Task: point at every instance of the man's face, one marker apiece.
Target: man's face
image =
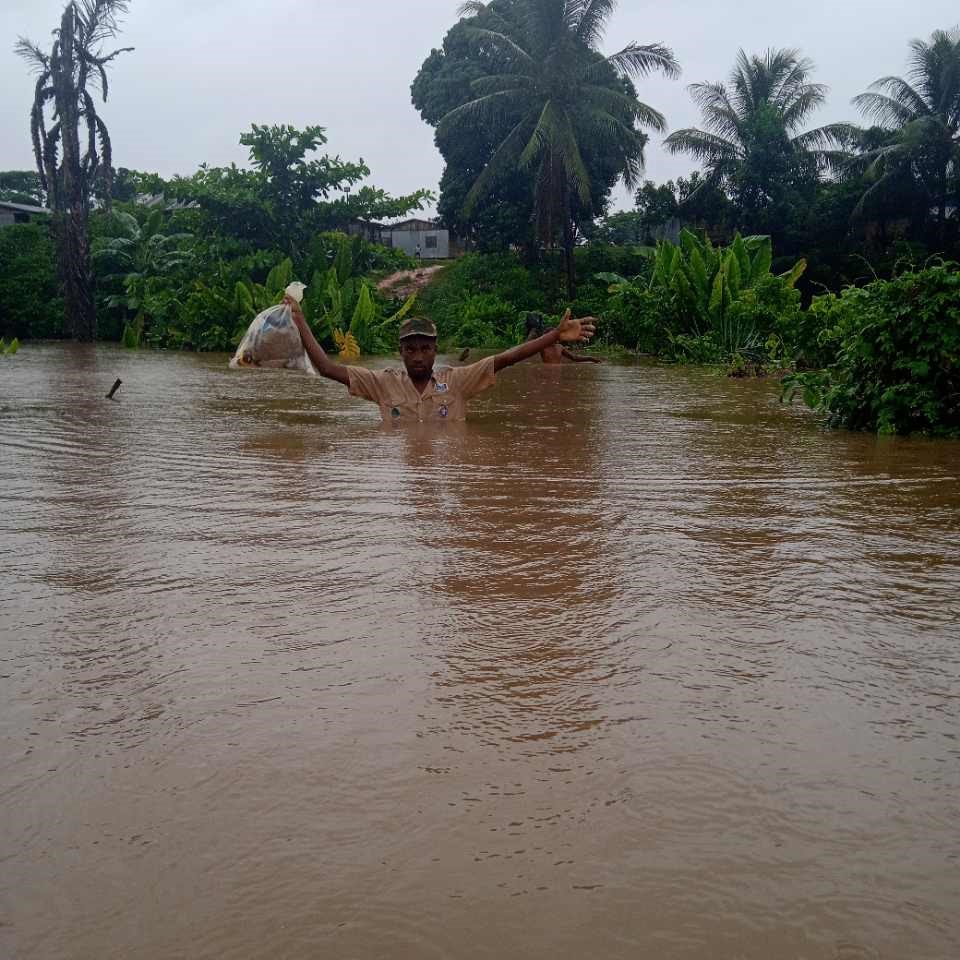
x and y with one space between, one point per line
418 354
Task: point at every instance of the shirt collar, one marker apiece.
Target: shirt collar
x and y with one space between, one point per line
430 388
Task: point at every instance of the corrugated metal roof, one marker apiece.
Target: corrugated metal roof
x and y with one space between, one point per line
22 207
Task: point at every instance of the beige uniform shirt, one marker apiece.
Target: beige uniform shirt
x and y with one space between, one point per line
445 397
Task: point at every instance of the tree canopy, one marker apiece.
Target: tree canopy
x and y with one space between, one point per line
753 142
921 116
289 194
526 108
541 98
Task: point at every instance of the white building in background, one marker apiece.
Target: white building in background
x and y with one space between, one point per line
11 213
435 242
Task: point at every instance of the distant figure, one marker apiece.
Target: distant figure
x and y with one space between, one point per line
418 253
553 353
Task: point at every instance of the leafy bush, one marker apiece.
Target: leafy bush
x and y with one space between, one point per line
636 317
702 303
30 302
329 247
486 320
896 345
500 276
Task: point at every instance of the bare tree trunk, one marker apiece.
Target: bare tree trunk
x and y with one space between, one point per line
73 241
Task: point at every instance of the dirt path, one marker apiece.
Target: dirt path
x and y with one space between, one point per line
405 282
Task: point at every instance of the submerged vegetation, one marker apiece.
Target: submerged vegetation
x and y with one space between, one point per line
826 255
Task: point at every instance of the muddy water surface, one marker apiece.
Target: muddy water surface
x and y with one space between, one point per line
635 663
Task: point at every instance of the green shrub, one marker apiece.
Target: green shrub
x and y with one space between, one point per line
703 304
31 306
635 317
330 247
485 320
896 345
500 276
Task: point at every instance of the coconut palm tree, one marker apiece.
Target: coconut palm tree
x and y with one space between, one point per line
923 111
753 142
75 65
554 84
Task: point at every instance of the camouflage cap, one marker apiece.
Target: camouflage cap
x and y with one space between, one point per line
418 327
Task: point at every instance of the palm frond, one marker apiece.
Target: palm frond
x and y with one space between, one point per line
591 18
501 83
480 110
638 60
885 110
30 52
802 104
504 159
620 104
701 144
472 8
935 69
720 116
622 142
100 18
902 93
505 45
91 158
99 63
833 134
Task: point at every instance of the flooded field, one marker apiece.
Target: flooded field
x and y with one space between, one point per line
636 663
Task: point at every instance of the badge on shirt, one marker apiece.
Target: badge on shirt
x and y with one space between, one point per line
442 388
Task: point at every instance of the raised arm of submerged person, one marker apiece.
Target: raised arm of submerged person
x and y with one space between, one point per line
419 392
554 353
318 356
569 330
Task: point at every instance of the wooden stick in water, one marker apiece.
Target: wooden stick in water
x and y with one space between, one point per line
114 388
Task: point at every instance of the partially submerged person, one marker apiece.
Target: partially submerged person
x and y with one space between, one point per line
553 353
419 392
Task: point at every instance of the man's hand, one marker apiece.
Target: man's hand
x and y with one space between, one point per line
568 331
576 330
298 317
318 357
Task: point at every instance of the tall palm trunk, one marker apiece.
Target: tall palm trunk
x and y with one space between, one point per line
72 214
568 237
68 172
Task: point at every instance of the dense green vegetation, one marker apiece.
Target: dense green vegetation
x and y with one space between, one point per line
894 354
822 254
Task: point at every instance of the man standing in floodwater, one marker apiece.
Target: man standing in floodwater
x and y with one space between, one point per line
553 353
418 392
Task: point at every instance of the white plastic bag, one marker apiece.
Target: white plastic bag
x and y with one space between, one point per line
273 341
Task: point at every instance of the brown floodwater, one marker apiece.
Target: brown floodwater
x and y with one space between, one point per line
635 663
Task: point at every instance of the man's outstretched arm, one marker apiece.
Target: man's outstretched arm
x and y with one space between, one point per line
318 356
569 330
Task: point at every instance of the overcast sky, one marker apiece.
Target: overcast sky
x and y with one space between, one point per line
204 70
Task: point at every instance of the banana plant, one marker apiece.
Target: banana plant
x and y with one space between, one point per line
253 298
141 257
704 281
335 305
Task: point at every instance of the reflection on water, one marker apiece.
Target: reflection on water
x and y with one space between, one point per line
636 662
